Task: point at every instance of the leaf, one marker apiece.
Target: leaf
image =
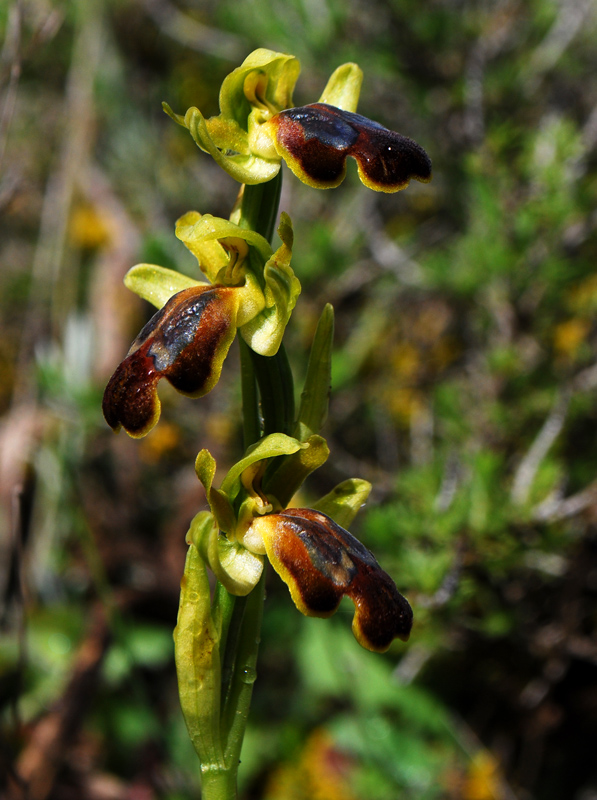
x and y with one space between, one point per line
197 656
315 397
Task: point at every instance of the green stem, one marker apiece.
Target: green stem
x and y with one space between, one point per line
259 207
251 420
236 710
218 784
259 212
239 619
276 388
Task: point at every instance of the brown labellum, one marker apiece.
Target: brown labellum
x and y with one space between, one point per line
316 140
186 343
321 562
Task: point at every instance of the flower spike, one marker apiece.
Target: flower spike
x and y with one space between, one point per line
321 562
316 140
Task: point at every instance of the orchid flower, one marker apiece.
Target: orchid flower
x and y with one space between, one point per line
251 289
258 127
309 548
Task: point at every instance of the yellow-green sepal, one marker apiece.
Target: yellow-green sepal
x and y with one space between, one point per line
276 444
205 467
344 87
295 468
244 167
157 284
344 501
237 569
237 139
265 331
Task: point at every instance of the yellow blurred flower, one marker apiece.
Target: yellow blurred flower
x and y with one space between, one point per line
431 322
164 439
583 297
88 228
444 351
568 336
405 360
320 773
404 403
482 779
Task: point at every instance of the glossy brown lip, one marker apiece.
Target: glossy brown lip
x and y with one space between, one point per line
186 343
316 140
321 562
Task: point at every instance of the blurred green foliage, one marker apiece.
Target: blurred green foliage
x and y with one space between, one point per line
464 389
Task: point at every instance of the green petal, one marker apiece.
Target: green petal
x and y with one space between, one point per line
344 501
212 239
242 90
315 396
344 87
210 254
157 284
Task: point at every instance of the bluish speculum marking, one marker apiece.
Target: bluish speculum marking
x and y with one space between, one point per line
328 128
179 331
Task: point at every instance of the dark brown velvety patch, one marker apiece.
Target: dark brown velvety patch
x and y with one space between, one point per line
326 562
185 342
317 139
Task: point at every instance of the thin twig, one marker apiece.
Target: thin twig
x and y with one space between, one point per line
487 46
557 509
387 252
551 429
569 22
11 55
